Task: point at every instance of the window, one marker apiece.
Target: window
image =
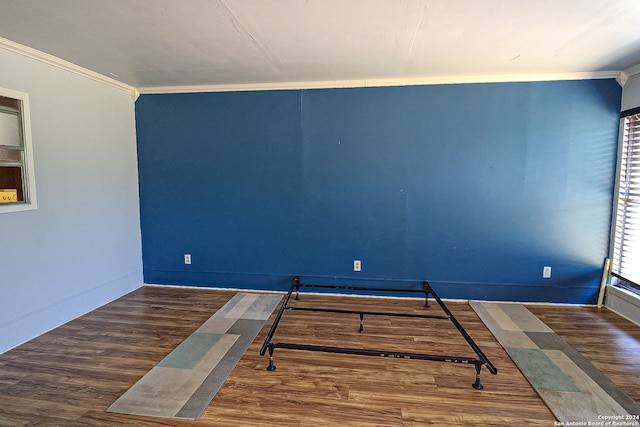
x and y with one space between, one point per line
626 253
17 181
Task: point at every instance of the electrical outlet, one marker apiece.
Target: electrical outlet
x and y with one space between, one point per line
546 272
187 258
357 265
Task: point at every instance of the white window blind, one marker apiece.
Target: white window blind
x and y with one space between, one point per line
626 256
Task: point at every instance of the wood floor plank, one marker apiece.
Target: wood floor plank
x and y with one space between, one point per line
70 375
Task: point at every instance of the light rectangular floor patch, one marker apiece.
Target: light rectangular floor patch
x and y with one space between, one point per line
541 372
184 382
191 351
568 383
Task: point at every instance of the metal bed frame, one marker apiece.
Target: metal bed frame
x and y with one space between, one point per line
479 361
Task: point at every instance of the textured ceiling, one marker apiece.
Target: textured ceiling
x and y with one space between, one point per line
160 43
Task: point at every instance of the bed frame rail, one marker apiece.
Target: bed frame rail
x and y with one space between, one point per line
479 361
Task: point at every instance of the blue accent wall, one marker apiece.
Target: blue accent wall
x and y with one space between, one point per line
473 187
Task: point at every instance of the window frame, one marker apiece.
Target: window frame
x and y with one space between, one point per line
28 170
617 275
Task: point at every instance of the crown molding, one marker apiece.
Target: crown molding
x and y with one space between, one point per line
631 71
67 66
406 81
134 92
628 72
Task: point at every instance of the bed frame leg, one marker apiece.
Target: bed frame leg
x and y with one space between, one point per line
477 385
361 330
271 366
427 290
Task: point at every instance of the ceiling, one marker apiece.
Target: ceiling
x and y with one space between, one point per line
169 43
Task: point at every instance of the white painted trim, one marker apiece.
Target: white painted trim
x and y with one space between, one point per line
330 294
628 72
623 303
327 84
406 81
207 288
632 71
31 201
550 304
17 331
262 291
65 65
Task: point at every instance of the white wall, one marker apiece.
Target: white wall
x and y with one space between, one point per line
81 248
631 93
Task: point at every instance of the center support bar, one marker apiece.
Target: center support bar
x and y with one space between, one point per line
368 313
478 362
359 288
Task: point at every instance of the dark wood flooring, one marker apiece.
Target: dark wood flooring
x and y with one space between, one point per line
71 375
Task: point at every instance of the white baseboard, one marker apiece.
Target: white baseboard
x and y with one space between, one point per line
624 303
30 325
